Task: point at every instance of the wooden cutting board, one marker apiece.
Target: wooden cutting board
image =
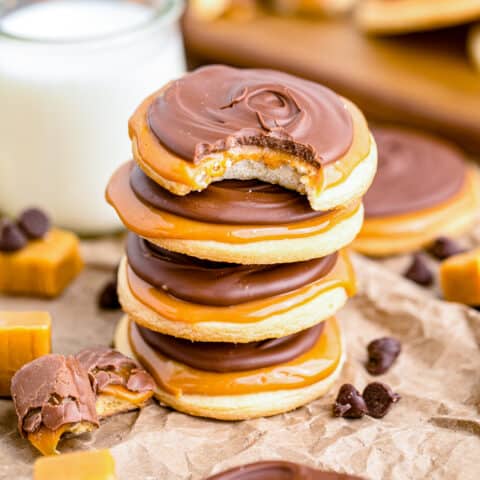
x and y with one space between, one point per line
423 80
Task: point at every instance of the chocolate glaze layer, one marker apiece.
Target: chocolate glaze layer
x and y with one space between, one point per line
216 108
279 470
52 391
233 357
106 366
415 171
222 284
236 202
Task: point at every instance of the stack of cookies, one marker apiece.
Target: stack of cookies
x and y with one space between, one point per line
245 188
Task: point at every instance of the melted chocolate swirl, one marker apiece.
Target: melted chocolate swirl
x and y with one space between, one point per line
217 108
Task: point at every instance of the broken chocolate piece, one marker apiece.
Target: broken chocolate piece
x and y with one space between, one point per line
118 381
56 389
379 397
106 366
34 223
53 395
381 354
108 297
349 403
11 237
444 248
419 272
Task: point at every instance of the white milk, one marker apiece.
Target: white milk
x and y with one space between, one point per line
71 74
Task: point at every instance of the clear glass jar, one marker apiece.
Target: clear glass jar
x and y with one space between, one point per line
65 103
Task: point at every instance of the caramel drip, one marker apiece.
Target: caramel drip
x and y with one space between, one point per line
153 223
341 276
122 393
46 441
429 221
307 369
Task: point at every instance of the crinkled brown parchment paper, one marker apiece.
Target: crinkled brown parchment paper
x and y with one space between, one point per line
434 432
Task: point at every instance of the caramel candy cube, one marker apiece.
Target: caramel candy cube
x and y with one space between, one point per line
44 267
91 465
24 336
460 278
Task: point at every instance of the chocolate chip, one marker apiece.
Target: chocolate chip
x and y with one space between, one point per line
379 397
34 223
445 247
349 403
381 354
108 297
11 237
419 272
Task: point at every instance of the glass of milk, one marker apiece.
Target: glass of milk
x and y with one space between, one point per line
71 74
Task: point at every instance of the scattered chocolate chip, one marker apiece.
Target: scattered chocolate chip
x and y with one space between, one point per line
11 237
445 247
381 354
349 403
419 272
108 297
34 223
378 398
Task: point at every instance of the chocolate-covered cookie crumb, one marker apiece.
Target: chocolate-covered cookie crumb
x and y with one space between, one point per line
419 272
108 297
382 353
349 403
11 237
378 398
34 223
444 248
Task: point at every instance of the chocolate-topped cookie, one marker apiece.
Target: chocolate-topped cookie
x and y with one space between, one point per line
423 189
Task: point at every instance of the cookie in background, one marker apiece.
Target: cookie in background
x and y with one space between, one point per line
208 10
247 9
474 45
424 189
384 17
311 7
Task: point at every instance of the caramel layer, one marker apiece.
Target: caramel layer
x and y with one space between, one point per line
427 222
307 369
153 223
119 391
166 305
153 157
